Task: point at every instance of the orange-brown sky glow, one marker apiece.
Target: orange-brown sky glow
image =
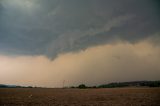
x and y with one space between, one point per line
120 61
44 42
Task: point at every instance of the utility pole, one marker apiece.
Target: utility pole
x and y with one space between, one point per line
63 83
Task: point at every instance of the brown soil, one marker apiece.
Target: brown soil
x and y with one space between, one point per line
80 97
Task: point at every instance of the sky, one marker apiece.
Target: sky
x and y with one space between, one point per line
44 42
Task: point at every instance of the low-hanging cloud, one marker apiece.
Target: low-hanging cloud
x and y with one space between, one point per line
120 61
43 42
52 27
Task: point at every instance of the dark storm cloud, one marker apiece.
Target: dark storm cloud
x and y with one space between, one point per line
50 27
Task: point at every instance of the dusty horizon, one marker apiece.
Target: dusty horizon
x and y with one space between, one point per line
43 43
121 61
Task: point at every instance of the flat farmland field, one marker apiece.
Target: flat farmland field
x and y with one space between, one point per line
80 97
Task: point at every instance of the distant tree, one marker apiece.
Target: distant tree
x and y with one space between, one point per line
72 87
29 87
82 86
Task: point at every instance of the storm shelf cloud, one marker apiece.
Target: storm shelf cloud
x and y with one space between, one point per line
78 34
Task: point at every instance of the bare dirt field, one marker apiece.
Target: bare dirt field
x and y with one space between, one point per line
80 97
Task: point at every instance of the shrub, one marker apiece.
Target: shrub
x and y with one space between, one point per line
82 86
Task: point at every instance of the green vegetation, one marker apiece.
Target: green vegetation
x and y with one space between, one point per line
130 84
82 86
110 85
124 84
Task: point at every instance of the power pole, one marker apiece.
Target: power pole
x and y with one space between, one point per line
63 83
